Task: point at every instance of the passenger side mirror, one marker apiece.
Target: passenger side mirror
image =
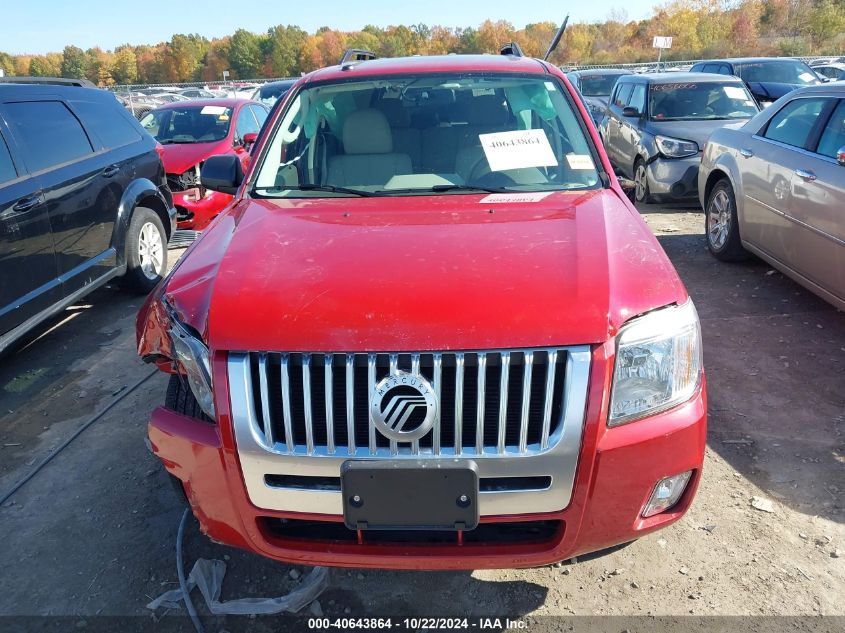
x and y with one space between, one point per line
249 139
628 111
222 173
840 156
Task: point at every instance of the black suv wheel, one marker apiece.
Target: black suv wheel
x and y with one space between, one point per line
146 251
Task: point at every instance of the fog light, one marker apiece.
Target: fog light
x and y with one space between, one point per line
666 494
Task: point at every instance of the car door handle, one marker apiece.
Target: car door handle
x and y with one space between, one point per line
808 176
110 171
25 204
746 153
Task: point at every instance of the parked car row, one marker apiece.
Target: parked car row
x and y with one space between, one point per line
758 142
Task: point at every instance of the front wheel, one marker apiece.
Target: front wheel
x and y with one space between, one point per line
721 224
641 193
146 251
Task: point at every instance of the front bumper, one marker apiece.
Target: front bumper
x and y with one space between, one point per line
674 178
616 472
195 214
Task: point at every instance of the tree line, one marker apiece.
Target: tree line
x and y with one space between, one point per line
700 28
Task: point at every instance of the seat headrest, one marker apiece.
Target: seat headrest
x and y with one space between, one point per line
367 132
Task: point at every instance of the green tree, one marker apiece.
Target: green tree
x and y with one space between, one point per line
283 45
825 20
74 63
7 64
245 54
125 67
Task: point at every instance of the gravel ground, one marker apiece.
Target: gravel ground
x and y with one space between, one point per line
93 533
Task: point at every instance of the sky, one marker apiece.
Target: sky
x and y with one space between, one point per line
43 26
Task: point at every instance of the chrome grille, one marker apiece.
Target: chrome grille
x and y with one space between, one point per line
491 402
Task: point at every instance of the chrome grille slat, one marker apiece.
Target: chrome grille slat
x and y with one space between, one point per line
547 405
479 396
288 422
498 403
459 402
329 382
267 420
503 401
306 396
350 402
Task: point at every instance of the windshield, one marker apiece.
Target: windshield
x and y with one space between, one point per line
598 85
188 124
782 72
427 133
700 101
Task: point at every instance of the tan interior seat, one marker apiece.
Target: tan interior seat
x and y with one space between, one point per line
368 157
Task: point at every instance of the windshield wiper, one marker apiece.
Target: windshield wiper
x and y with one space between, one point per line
451 187
170 141
314 187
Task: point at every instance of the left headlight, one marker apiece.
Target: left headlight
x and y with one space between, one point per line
675 147
658 363
192 355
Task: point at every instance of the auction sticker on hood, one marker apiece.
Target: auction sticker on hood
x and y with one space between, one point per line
517 149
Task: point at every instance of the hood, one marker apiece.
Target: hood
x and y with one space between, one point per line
698 131
770 90
422 273
180 157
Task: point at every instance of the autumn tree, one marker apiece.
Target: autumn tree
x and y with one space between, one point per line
125 66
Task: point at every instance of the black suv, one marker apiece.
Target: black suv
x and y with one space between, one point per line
83 199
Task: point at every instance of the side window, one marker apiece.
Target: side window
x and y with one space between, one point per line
246 123
710 68
7 167
637 99
623 93
259 113
47 133
833 136
108 121
792 125
724 69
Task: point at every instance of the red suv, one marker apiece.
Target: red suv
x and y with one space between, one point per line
431 331
190 132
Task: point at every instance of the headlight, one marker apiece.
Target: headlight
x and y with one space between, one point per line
658 363
675 147
192 355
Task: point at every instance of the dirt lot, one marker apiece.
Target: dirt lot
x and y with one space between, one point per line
93 533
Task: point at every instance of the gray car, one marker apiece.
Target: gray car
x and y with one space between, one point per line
776 188
595 87
656 125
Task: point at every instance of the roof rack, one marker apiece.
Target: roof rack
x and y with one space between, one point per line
356 55
511 49
51 81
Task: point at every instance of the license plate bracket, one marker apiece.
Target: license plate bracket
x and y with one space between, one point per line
409 495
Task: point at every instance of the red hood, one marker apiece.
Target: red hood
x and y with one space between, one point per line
422 273
180 157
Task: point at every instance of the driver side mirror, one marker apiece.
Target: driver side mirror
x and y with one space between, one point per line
840 156
628 111
222 173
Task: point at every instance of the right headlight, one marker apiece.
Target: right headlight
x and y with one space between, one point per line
658 363
192 355
675 147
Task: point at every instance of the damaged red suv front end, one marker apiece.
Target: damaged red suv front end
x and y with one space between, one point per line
431 332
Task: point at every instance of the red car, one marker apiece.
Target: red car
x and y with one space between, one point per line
190 132
430 332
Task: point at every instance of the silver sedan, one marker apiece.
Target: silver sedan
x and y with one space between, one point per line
775 187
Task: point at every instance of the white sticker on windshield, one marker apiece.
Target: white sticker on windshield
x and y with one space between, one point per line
213 110
549 86
735 92
580 161
806 76
517 149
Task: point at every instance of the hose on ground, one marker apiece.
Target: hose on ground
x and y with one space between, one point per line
180 571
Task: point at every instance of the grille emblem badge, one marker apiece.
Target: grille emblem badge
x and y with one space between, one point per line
403 407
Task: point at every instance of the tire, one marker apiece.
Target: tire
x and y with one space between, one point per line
180 398
641 195
146 251
721 225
